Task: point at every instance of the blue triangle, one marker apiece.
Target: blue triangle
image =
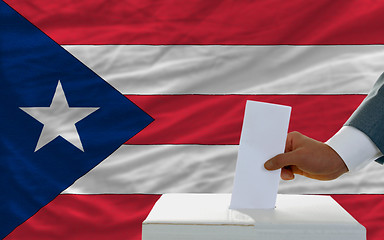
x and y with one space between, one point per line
31 64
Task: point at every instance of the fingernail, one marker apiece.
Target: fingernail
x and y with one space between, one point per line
286 176
268 165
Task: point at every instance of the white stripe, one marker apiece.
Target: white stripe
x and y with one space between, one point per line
162 169
217 69
369 180
203 169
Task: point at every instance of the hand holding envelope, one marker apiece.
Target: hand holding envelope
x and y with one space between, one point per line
263 138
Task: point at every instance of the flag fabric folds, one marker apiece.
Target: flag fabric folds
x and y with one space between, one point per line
153 95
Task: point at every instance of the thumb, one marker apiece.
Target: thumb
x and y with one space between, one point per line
281 160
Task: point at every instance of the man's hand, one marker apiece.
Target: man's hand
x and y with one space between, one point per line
307 157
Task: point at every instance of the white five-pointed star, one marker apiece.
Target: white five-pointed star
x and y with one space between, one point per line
59 119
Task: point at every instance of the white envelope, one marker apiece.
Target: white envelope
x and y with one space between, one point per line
263 136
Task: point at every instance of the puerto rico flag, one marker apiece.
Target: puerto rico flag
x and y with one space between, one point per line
105 105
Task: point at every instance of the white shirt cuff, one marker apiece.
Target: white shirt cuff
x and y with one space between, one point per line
354 147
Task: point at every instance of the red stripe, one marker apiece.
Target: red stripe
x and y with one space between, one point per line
368 210
119 217
217 119
207 22
96 217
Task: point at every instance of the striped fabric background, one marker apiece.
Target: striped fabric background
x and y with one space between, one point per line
191 65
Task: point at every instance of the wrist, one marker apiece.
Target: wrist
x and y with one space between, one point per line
339 166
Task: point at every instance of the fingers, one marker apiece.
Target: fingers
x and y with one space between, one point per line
292 138
282 160
287 173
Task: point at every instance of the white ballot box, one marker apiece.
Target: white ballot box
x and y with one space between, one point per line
208 217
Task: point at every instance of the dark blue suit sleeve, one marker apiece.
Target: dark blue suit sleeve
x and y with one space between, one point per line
369 116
